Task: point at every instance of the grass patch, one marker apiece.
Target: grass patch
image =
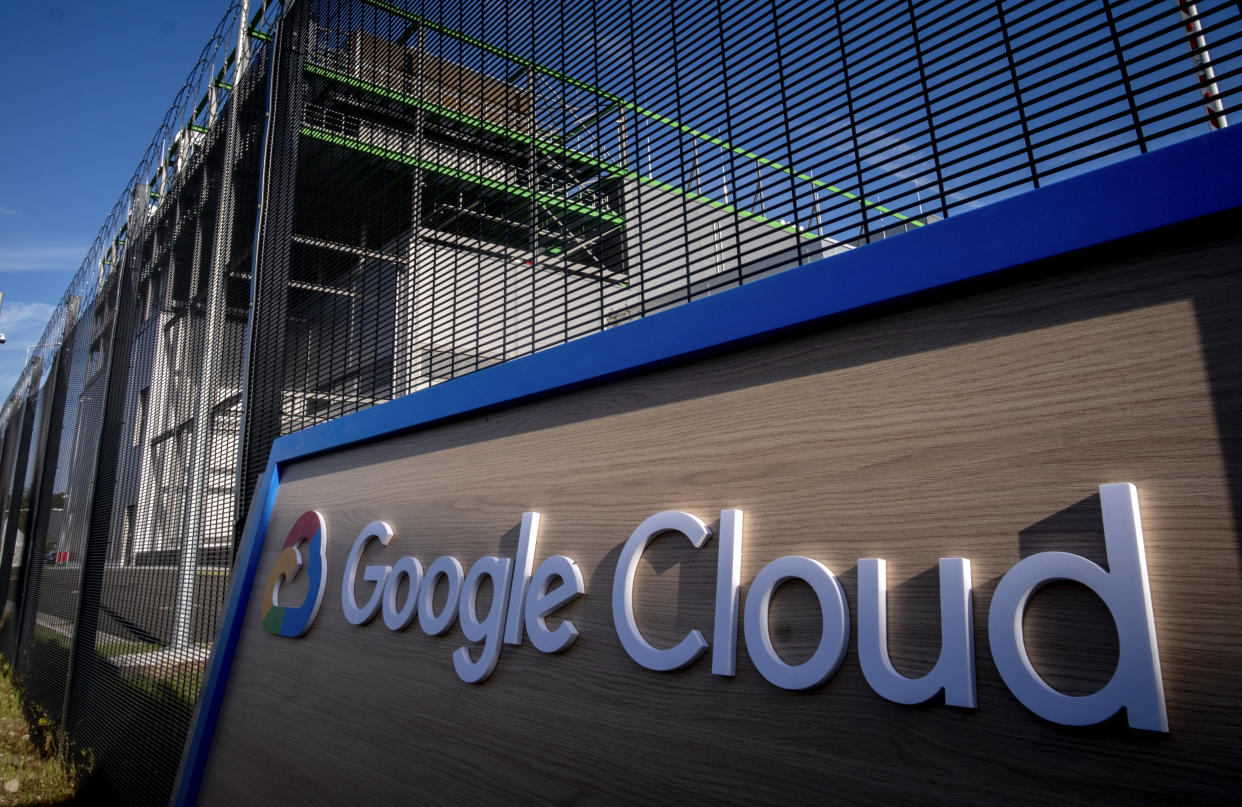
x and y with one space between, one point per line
170 681
140 726
114 649
28 774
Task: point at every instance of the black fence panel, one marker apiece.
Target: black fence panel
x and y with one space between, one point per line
454 185
354 200
17 430
46 662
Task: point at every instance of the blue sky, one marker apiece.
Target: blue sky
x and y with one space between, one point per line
86 84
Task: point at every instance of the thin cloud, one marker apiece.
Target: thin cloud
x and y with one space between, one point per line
5 211
915 166
23 324
20 317
41 258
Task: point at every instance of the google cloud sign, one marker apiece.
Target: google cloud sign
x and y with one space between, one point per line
525 596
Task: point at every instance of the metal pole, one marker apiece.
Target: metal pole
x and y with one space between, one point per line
1203 66
36 347
243 401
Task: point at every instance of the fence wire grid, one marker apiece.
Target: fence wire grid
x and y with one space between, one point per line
353 200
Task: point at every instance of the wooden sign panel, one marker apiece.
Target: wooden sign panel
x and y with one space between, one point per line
979 427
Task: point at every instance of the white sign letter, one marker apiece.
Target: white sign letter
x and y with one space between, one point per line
450 569
376 574
522 566
688 650
836 632
399 618
1136 684
955 669
487 630
544 599
728 585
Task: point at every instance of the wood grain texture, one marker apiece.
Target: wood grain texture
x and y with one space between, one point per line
975 427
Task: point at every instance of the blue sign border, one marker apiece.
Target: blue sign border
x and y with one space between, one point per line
1175 184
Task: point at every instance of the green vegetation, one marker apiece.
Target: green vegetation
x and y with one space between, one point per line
29 773
164 688
166 683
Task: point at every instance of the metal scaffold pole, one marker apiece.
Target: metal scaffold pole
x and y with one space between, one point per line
1203 66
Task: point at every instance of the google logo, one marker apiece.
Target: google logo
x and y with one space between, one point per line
309 534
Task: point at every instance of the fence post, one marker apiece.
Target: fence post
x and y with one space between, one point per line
103 477
25 425
199 462
20 428
264 372
32 573
43 488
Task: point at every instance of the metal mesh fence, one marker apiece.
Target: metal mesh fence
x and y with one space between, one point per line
120 460
454 185
362 199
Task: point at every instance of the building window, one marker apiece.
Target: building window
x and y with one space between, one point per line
131 523
140 417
